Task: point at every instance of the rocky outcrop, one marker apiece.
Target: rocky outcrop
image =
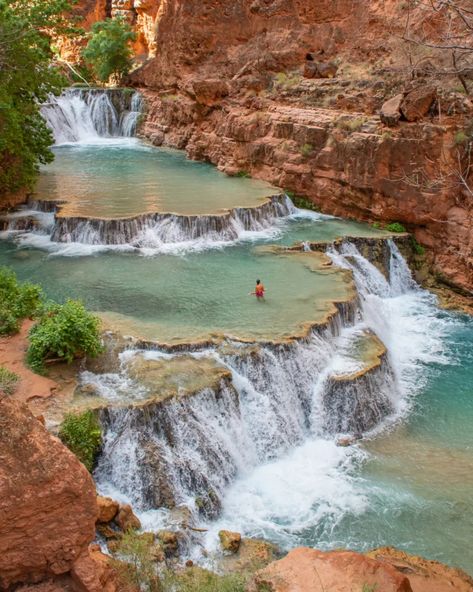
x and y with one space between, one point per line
304 570
47 505
389 570
229 541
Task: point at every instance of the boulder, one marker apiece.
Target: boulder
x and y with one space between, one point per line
309 570
126 519
230 541
424 575
417 103
390 112
320 70
107 509
48 503
169 542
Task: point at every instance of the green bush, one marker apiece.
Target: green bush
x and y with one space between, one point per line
8 381
302 202
83 436
395 227
306 150
17 301
418 249
64 331
108 51
243 174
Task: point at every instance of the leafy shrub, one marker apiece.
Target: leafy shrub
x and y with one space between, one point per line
108 50
376 225
243 174
64 331
8 381
418 249
83 436
395 227
306 150
17 301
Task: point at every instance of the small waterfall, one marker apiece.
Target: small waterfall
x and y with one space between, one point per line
189 450
154 230
85 115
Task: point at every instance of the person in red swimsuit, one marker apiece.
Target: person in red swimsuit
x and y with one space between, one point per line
259 290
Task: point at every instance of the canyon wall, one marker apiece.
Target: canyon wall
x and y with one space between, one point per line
226 85
227 80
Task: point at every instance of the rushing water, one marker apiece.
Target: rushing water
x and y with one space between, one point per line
255 449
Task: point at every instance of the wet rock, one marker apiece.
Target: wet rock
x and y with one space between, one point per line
309 570
390 112
169 542
346 441
320 70
107 508
126 519
253 554
417 103
47 501
229 541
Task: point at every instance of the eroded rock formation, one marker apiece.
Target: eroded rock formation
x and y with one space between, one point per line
47 510
389 570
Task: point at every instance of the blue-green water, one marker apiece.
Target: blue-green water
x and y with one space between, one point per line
409 486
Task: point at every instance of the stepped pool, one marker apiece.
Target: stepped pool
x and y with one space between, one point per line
243 430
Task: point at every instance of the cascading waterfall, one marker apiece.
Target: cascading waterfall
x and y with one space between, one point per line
86 115
189 451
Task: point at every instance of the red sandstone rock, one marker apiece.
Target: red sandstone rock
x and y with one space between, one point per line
391 110
309 570
125 518
424 575
230 541
320 70
417 103
107 509
210 92
47 501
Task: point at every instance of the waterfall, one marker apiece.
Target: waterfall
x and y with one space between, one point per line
192 449
85 115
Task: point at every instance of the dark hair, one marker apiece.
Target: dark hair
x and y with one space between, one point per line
258 281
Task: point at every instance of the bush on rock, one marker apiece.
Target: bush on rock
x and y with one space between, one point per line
81 433
17 301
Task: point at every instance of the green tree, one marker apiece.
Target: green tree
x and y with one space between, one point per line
26 79
108 50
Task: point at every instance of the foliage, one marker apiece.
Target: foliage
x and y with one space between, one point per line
83 436
17 301
26 79
285 81
376 225
64 331
199 580
369 588
108 50
302 202
243 174
418 249
306 150
138 568
8 381
395 227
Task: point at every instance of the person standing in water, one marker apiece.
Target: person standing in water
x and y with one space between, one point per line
259 290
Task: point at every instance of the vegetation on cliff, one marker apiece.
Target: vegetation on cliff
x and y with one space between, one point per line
27 77
81 433
8 381
108 51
